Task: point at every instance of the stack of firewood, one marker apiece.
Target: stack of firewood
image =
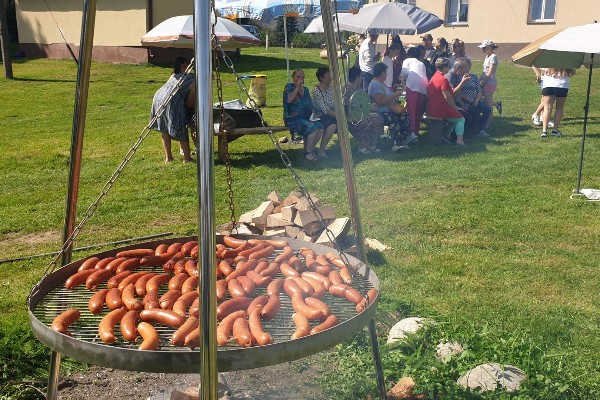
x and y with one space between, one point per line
293 217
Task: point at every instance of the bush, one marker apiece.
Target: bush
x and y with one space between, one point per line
306 40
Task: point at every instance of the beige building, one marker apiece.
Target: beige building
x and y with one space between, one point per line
45 26
509 23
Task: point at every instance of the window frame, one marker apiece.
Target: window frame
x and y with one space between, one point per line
530 19
448 13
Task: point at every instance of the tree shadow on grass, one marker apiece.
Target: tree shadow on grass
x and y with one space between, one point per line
248 62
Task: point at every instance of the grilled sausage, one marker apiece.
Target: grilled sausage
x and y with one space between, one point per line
79 278
260 336
181 305
90 263
139 253
129 299
106 327
241 332
97 278
229 306
302 326
330 322
178 337
129 325
163 317
65 319
149 335
270 310
225 328
96 302
113 299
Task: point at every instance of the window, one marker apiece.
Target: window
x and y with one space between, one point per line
542 10
457 11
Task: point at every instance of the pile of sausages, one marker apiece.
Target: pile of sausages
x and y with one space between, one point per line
135 304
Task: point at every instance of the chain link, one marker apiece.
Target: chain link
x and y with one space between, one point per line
89 212
222 128
286 161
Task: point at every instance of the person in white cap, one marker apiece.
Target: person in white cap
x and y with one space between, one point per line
488 77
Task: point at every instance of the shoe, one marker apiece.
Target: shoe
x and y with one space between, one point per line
460 144
397 149
375 150
556 133
544 134
181 152
483 133
550 124
284 139
446 140
536 120
412 138
322 154
364 151
297 141
499 107
311 157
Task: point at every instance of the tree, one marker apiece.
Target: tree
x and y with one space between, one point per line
278 38
8 74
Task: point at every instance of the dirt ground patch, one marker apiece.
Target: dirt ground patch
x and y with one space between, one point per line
294 380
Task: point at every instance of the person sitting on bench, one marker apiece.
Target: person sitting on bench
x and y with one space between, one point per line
297 111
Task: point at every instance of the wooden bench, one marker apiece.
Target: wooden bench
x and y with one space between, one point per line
224 140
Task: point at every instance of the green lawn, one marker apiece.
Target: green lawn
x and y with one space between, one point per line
485 239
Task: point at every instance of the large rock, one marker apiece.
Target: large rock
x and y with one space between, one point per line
446 350
487 377
405 327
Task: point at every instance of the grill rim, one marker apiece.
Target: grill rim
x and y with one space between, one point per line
185 360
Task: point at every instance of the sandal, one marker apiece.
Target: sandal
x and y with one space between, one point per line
311 156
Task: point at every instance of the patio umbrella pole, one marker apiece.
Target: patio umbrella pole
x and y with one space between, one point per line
585 119
344 137
81 96
287 56
206 201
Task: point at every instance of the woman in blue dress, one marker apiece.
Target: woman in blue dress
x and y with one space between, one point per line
297 110
179 111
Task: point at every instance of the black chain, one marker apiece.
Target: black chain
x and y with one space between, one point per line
222 127
286 161
89 212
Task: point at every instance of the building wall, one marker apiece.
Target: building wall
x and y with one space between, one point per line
506 22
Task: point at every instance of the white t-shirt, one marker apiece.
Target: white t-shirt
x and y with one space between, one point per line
487 65
555 81
416 75
387 60
366 56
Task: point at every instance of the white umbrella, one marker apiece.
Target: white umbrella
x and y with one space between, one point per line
267 10
316 25
179 32
390 18
568 48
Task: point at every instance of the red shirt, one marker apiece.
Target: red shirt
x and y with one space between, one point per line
437 106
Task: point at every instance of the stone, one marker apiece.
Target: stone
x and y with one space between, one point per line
405 327
288 212
303 204
339 227
446 350
277 220
306 217
276 231
486 377
259 218
274 197
292 231
403 390
193 392
246 217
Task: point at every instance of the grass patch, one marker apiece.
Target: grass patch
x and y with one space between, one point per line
485 239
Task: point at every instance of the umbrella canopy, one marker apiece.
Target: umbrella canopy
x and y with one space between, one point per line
316 25
179 32
264 11
567 48
390 18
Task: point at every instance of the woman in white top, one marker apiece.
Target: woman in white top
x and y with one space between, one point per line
488 77
388 59
415 75
555 87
